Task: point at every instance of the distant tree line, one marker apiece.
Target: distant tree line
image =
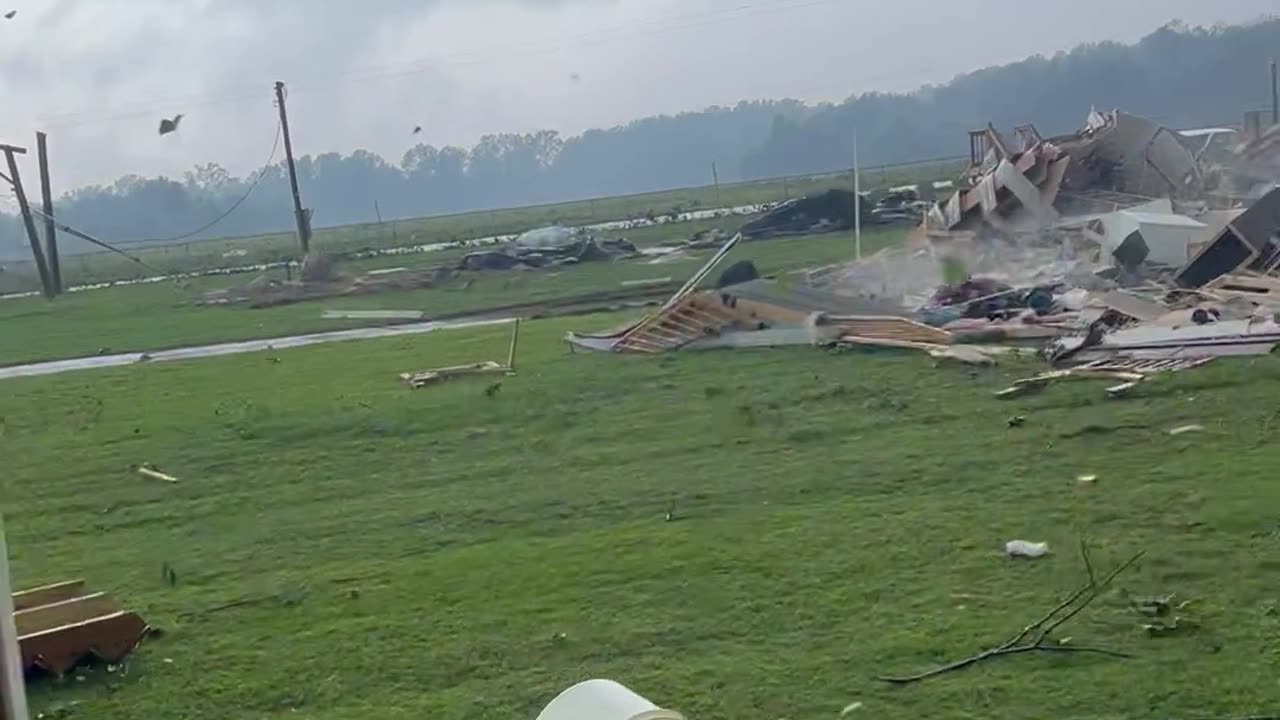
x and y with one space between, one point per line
1180 76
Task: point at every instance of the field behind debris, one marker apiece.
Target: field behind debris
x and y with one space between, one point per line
201 255
345 547
165 315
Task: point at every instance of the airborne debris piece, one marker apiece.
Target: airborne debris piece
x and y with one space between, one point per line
169 126
10 15
61 625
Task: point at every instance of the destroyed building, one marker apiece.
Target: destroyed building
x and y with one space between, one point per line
1113 252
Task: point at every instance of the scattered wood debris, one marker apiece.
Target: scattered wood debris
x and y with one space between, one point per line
1131 372
424 378
62 624
152 472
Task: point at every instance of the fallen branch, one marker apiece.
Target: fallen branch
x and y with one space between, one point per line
1039 630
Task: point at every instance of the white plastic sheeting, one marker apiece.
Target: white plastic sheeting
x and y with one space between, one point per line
603 700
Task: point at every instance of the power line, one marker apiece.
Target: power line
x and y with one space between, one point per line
472 57
91 239
275 146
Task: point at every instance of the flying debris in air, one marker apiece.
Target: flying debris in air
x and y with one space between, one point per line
167 126
10 15
576 77
417 129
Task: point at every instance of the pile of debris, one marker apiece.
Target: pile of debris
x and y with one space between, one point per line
326 281
1109 252
836 211
320 277
548 247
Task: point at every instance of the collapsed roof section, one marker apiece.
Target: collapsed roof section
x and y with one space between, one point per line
1024 184
1123 153
1007 190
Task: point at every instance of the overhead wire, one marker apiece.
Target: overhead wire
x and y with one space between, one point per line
93 240
115 247
275 147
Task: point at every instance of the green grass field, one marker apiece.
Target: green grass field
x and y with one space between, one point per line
346 547
442 553
207 254
163 315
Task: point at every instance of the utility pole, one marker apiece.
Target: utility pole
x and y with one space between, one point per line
299 215
50 228
1275 93
11 152
13 693
715 177
857 200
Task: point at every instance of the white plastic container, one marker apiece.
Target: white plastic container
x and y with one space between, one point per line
603 700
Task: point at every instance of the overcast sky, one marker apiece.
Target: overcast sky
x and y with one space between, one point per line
98 75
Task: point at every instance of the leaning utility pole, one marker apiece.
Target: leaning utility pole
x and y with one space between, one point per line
299 215
46 197
1275 93
11 152
857 200
13 693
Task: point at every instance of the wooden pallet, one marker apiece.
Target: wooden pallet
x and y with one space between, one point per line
61 625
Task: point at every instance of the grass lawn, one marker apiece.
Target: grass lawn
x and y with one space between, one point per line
163 315
441 553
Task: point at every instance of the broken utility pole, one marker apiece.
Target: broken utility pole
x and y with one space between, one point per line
11 152
46 199
301 217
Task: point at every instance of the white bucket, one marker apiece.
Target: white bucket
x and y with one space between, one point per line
603 700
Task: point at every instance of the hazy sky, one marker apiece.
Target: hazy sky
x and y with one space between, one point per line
98 75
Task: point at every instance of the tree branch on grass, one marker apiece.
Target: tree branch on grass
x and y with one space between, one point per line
1039 631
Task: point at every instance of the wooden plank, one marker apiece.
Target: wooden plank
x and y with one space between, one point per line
47 594
67 612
